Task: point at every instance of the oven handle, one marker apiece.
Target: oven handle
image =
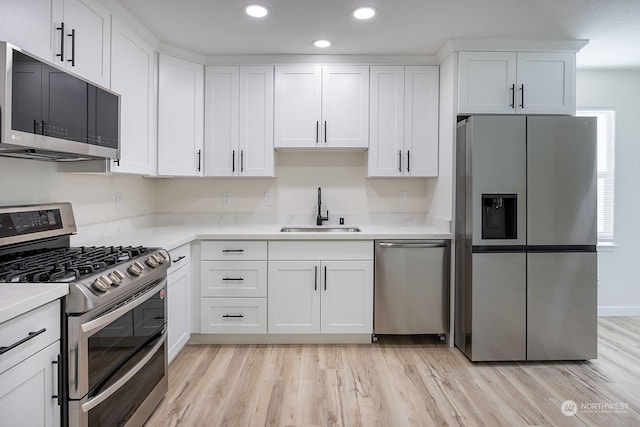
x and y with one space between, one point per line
98 399
103 321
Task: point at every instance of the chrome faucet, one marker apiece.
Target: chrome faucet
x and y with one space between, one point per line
320 219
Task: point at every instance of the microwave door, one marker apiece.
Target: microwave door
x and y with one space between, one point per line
27 107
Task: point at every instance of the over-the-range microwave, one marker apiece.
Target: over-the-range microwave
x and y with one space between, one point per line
47 113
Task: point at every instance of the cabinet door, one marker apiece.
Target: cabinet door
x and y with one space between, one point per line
132 77
256 121
27 390
546 83
294 297
31 25
386 125
487 82
421 121
87 41
345 106
347 297
180 117
298 102
178 309
221 124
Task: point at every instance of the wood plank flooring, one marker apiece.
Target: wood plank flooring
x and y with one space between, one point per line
400 381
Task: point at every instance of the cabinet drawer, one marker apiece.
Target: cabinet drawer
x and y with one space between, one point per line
42 324
329 250
234 250
233 278
179 256
233 315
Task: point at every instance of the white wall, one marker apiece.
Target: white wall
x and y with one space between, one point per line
619 281
92 196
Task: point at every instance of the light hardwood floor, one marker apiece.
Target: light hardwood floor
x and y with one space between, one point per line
400 382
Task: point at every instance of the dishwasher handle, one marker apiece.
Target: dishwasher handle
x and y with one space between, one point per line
412 245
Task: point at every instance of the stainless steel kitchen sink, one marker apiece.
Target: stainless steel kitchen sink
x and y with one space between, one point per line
319 229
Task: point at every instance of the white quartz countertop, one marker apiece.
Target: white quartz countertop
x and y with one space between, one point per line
19 298
170 237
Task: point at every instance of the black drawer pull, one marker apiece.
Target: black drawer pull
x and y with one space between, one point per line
226 251
233 315
180 258
31 335
232 278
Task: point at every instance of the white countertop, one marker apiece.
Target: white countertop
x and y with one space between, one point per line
19 298
170 237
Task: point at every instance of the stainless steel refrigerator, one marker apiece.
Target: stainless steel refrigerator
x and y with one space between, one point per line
526 278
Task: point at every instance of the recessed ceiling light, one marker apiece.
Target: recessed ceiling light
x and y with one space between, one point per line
322 43
256 11
364 13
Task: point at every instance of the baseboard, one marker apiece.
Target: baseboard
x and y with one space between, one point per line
280 339
610 311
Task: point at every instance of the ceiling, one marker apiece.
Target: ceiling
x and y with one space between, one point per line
400 27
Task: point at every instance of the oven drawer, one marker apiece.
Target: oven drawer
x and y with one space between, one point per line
233 278
234 250
179 256
29 333
233 315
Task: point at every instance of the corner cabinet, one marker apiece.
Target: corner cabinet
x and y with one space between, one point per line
239 121
132 76
320 287
321 106
180 117
179 300
404 121
516 83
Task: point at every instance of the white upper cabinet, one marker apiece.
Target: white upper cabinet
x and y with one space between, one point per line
239 121
404 121
516 83
132 77
74 34
180 117
322 106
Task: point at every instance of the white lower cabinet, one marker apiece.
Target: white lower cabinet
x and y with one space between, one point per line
179 300
233 287
29 368
311 290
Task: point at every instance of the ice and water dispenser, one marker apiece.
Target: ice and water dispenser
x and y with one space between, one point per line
499 216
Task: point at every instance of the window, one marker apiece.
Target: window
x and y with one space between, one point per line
606 165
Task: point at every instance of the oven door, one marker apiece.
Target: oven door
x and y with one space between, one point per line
118 360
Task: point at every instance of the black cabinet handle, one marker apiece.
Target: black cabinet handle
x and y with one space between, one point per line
117 162
232 278
317 131
325 277
233 161
522 98
513 96
315 278
325 131
408 161
42 127
226 251
29 336
241 160
400 161
240 316
73 48
58 368
199 159
180 258
61 29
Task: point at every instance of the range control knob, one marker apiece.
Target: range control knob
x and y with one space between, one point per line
152 261
162 256
102 283
135 268
116 277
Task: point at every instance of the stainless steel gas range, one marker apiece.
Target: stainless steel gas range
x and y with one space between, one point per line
114 351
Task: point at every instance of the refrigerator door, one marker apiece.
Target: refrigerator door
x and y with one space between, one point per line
498 307
562 306
561 180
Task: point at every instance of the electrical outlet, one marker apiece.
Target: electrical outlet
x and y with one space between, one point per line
403 197
226 198
268 199
119 200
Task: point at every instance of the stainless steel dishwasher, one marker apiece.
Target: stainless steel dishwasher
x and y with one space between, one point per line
411 287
